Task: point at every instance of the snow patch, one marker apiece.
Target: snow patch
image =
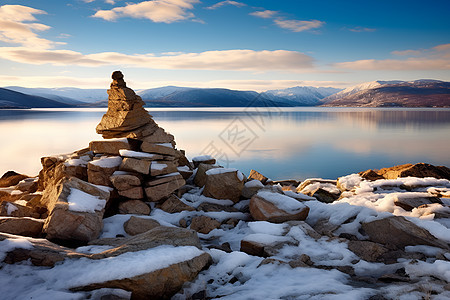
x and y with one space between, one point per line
107 162
80 201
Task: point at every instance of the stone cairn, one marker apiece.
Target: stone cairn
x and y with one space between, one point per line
137 160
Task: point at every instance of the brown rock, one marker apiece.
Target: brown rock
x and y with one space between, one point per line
133 193
124 182
135 165
263 209
110 147
213 207
258 176
253 248
200 175
224 184
408 203
162 168
204 224
158 236
370 175
100 170
136 207
420 170
251 188
42 252
174 205
158 136
369 251
158 149
8 209
135 225
11 178
204 159
28 185
64 222
21 226
158 192
397 232
159 284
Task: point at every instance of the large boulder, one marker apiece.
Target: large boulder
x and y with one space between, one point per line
76 210
277 208
200 174
223 183
397 232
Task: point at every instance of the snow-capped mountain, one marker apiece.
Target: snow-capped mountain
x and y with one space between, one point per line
418 93
303 95
157 93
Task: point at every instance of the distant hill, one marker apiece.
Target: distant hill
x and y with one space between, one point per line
303 95
13 99
68 95
419 93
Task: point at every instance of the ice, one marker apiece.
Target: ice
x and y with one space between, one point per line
107 162
283 202
202 158
135 154
80 201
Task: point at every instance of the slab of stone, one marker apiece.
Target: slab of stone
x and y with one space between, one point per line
136 207
162 168
159 192
224 183
174 205
136 225
135 165
162 149
110 147
21 226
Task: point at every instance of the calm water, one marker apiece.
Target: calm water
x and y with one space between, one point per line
282 143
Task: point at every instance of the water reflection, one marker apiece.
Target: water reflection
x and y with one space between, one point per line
292 143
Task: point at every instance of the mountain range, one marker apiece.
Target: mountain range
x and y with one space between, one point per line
419 93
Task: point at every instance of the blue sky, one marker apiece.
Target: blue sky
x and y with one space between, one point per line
256 44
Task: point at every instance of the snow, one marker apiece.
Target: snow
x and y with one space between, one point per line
168 145
202 158
158 166
121 173
45 283
15 242
349 182
254 184
16 192
74 162
298 196
267 227
80 201
217 171
288 204
10 208
107 162
136 154
184 169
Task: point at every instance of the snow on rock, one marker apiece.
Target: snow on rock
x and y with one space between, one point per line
83 202
107 162
202 158
283 202
15 242
136 154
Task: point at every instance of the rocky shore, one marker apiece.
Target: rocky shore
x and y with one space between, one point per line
130 217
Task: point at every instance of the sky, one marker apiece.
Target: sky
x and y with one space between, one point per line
245 45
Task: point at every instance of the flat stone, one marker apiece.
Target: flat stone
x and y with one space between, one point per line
258 176
262 208
135 165
111 147
159 192
174 205
21 226
8 209
409 203
136 207
136 225
162 168
158 149
204 224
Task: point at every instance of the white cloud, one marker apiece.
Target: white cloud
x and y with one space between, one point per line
112 2
227 2
297 25
436 58
238 60
265 14
159 11
17 27
362 29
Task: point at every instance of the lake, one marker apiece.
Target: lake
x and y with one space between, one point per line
281 143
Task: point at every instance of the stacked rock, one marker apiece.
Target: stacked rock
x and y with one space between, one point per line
138 158
126 116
